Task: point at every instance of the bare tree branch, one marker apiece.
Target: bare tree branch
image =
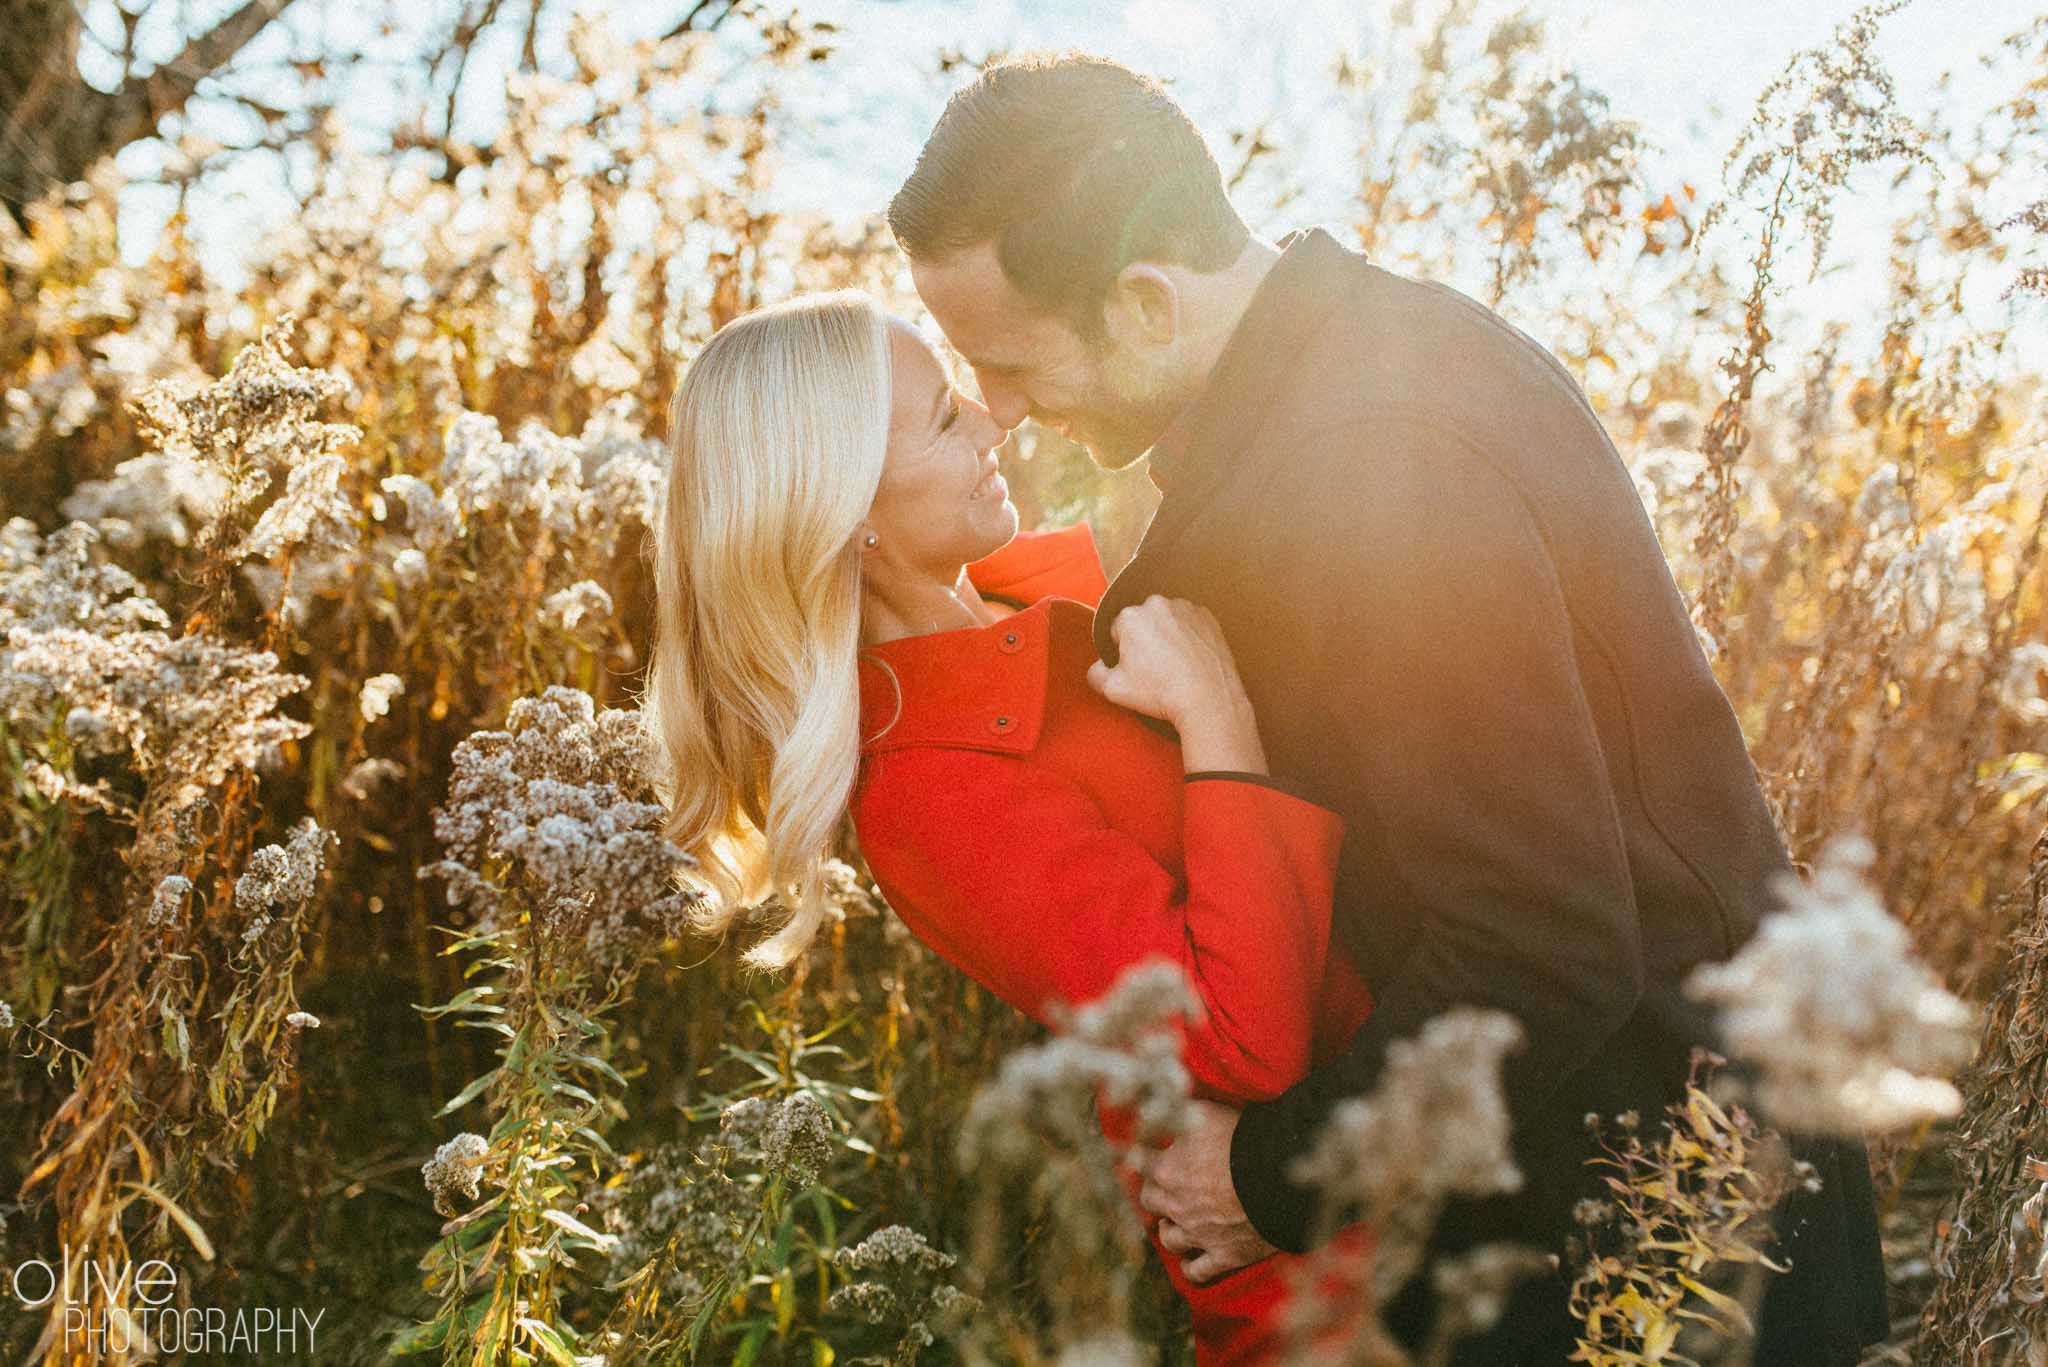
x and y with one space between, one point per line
57 125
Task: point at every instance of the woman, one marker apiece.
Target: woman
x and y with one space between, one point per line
849 619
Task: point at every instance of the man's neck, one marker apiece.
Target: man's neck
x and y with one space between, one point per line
1233 290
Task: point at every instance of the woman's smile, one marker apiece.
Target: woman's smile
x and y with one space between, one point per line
991 486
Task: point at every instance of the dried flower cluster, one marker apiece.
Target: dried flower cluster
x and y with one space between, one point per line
1834 108
1849 1031
1435 1126
455 1169
549 815
797 1140
1038 1118
219 449
1118 1046
167 902
686 1219
378 691
900 1282
583 490
82 643
277 876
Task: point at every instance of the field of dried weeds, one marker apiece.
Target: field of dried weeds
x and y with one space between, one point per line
332 861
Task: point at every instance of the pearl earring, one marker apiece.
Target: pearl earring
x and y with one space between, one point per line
871 538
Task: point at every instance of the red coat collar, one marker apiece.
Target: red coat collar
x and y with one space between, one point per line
983 688
1034 565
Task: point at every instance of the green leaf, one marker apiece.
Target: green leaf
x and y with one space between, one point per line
177 1213
550 1342
470 1093
460 1000
750 1348
418 1339
570 1089
577 1227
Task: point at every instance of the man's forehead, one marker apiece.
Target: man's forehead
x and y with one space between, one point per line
985 318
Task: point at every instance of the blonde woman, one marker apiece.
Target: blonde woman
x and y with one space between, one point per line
850 622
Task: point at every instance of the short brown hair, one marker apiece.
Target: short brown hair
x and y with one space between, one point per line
1074 166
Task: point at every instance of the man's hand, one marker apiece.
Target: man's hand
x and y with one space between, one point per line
1187 1186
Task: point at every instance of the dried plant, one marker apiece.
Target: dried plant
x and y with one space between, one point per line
257 571
1689 1206
1036 1122
550 844
1435 1126
1990 1302
1831 110
1848 1031
902 1287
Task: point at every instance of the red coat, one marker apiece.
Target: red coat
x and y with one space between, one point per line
1043 840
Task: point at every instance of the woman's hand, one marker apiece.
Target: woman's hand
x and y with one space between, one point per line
1173 663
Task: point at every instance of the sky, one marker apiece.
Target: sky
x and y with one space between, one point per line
1688 72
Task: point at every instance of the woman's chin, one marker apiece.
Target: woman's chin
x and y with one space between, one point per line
1007 522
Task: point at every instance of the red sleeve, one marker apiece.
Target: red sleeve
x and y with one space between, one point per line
1014 875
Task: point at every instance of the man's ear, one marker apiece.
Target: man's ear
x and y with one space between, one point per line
1143 308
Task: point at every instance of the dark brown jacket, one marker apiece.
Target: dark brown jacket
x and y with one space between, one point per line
1458 631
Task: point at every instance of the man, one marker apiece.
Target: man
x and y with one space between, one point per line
1457 629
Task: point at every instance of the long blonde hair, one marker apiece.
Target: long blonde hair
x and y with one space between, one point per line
775 451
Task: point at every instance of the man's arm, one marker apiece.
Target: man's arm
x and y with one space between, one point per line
1459 718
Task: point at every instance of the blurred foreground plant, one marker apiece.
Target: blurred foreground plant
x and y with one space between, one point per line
1435 1126
1035 1124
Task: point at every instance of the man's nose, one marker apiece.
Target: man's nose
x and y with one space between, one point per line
992 434
1006 403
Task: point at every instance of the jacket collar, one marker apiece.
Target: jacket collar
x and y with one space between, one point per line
1232 417
983 688
1034 565
1284 314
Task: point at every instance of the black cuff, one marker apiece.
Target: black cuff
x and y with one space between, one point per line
1278 785
1261 1149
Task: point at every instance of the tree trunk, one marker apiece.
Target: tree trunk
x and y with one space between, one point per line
53 126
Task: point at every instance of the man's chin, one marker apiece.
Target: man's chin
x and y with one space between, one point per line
1112 451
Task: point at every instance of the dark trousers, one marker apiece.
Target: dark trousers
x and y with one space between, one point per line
1820 1313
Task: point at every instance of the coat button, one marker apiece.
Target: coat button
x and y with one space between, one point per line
1000 725
1011 643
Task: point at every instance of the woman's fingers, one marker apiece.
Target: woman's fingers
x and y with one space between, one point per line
1171 659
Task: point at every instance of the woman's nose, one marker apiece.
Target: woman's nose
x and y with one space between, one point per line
993 432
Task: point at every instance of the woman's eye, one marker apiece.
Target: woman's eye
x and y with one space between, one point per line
952 414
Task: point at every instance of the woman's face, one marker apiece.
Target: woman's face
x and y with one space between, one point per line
940 503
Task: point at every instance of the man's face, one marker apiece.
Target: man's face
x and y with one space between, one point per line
1030 363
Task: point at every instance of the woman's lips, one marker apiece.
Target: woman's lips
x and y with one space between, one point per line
992 486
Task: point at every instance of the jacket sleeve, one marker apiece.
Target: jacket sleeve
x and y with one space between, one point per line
1459 724
1014 875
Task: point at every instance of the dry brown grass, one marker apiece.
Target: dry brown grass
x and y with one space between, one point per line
440 474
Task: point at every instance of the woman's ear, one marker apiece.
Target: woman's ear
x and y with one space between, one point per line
1143 308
